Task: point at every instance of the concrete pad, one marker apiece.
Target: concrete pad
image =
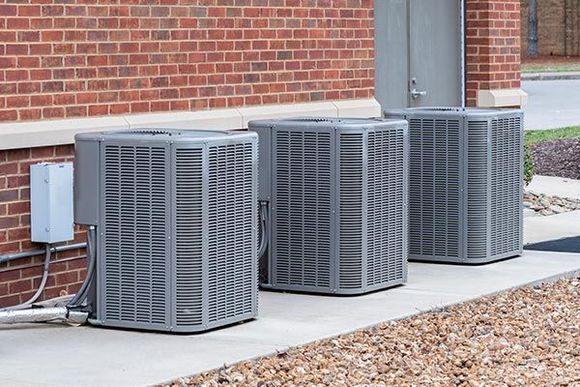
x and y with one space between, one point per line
545 228
86 356
555 186
51 355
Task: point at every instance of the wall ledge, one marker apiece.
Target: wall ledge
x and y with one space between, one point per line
30 134
502 98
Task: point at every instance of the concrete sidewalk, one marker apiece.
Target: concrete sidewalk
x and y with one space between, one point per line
552 104
45 355
548 228
555 186
551 76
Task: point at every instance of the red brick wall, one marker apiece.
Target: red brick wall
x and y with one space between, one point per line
492 46
98 57
92 57
19 279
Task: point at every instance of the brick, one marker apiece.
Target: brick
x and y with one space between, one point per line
8 195
67 278
155 41
18 208
20 286
9 300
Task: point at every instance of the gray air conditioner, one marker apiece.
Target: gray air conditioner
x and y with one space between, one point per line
466 184
337 193
176 216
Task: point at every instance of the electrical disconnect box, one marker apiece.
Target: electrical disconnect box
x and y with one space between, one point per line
51 202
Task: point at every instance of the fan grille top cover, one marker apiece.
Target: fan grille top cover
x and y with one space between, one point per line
337 190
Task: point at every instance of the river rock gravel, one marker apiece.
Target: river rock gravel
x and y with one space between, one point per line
546 205
528 336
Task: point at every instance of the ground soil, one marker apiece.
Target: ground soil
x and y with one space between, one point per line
557 158
528 336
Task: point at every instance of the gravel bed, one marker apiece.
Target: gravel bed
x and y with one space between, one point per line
546 205
557 158
528 336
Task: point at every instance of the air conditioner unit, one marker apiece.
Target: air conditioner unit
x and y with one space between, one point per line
466 184
337 192
176 216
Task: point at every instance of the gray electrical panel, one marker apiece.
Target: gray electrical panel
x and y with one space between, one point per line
176 219
51 202
466 184
337 192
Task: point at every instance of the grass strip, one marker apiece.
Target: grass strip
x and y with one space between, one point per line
536 136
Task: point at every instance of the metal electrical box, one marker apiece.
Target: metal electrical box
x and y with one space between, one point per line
337 192
176 216
466 184
51 202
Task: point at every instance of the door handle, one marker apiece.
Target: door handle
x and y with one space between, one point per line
416 93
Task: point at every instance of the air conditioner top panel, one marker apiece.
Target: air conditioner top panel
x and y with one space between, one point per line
452 111
165 135
302 123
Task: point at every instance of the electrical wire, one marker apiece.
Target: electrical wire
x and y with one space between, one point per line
81 295
264 237
46 265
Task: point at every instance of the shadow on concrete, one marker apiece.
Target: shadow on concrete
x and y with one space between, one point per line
564 245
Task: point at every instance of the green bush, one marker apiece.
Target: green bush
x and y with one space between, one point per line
528 165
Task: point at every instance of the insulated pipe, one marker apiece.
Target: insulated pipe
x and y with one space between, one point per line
34 253
42 315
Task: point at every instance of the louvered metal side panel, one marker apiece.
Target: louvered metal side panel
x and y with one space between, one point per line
302 209
386 206
506 185
351 255
478 189
134 265
434 187
232 216
188 215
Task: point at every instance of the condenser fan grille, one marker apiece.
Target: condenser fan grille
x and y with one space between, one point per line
338 201
466 184
176 222
135 234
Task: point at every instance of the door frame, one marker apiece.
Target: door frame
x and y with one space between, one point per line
462 51
461 42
